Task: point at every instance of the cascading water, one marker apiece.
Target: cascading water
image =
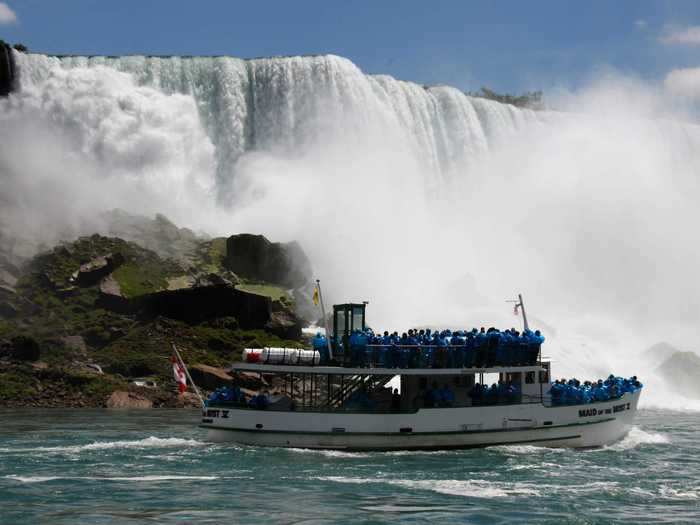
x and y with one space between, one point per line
433 205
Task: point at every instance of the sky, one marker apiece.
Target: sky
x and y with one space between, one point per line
510 46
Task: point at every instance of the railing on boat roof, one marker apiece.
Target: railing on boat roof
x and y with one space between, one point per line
401 358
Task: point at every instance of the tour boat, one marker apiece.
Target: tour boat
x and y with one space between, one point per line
337 401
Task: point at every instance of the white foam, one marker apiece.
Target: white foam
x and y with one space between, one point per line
527 450
41 479
638 437
329 453
476 488
149 442
672 493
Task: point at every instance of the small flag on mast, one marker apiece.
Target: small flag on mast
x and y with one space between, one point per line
179 374
515 309
315 296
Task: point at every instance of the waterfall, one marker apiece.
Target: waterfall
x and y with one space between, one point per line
282 104
433 205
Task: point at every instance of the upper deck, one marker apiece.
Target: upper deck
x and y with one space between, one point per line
381 371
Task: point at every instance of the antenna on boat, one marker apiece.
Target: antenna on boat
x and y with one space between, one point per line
325 319
520 304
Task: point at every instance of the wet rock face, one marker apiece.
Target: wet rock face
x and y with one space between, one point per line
681 372
208 302
284 325
254 257
7 69
92 272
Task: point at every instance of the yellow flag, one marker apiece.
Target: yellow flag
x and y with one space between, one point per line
315 297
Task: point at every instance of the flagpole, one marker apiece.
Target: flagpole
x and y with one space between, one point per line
325 320
187 372
522 307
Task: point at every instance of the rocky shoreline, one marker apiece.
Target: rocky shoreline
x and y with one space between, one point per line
90 323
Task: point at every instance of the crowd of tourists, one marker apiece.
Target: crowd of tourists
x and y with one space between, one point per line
436 349
497 393
234 396
573 392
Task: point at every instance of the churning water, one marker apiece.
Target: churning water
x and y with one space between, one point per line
156 467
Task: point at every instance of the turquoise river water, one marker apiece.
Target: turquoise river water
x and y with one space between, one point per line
100 466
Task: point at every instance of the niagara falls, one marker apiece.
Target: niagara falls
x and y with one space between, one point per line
395 263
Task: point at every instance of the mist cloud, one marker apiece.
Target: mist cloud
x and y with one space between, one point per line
684 82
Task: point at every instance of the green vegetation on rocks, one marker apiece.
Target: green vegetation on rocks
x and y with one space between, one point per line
89 316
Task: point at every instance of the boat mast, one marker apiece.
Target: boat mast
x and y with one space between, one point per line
521 304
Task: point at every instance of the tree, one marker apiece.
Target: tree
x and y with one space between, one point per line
21 48
530 99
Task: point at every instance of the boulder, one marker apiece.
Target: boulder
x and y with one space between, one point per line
681 372
98 268
75 343
255 258
210 377
111 297
201 303
122 399
187 400
284 324
250 380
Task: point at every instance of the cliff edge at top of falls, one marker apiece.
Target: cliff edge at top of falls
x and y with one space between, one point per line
96 315
7 69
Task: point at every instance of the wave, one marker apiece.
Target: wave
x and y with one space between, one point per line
149 442
344 454
477 488
638 437
166 477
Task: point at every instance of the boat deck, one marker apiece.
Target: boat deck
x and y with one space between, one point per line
353 371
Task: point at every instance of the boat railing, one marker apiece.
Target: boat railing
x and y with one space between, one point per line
440 356
518 399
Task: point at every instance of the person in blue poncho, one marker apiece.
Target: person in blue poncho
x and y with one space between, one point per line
447 397
480 347
456 359
320 344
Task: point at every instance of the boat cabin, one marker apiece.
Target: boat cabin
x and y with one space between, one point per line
368 372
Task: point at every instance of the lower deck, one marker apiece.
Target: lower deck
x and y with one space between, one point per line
428 428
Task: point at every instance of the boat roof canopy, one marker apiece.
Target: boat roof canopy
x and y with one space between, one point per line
351 371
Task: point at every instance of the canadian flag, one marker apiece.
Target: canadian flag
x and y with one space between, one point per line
179 373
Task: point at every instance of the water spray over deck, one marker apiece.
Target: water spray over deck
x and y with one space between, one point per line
434 205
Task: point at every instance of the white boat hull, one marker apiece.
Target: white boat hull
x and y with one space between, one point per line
577 426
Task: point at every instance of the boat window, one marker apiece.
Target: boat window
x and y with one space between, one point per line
529 377
357 318
544 376
339 323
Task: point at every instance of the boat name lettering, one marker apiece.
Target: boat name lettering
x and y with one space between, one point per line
587 412
217 413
